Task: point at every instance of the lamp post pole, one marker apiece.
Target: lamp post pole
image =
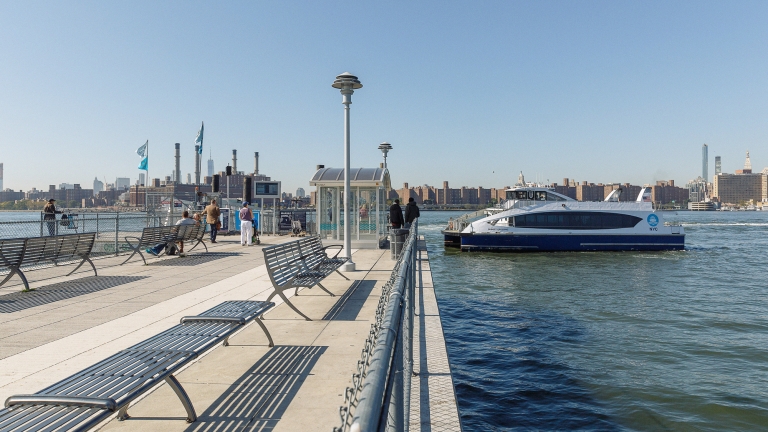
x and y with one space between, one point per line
347 83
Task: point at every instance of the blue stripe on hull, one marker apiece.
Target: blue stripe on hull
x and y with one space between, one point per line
577 242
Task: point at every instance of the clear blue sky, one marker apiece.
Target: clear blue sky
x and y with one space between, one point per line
470 92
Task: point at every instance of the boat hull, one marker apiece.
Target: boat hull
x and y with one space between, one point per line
571 242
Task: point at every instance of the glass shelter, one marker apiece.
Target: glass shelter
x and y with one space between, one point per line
368 199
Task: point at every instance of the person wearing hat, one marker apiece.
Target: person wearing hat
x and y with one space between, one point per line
246 225
50 216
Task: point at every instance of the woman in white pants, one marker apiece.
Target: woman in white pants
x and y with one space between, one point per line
246 225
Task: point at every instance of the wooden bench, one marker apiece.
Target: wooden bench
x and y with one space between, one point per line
298 264
150 237
37 252
89 397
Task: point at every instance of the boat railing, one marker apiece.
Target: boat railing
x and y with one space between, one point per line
379 398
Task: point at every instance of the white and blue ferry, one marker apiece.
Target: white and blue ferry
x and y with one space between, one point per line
540 219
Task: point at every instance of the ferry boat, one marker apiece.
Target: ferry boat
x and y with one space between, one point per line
535 218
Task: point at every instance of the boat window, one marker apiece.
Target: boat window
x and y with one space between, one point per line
540 195
510 195
522 195
576 220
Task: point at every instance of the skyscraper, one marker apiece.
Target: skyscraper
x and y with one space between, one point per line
98 186
704 161
718 166
300 192
122 183
210 166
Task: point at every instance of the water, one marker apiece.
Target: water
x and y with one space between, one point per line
611 341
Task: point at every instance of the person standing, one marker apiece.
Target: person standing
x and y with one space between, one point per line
396 215
246 225
50 216
212 214
411 212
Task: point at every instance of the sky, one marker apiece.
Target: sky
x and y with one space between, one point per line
468 92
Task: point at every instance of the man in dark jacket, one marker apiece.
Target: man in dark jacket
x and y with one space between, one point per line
411 211
396 215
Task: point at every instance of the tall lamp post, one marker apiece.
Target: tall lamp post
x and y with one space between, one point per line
347 83
385 147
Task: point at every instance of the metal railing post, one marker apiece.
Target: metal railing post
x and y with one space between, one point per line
396 413
41 224
97 224
117 232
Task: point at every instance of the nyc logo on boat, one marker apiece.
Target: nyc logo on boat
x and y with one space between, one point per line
653 220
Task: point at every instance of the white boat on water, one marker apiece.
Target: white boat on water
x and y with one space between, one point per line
535 218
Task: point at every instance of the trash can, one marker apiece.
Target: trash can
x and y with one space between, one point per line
397 238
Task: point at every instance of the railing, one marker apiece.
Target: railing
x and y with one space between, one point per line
110 228
379 398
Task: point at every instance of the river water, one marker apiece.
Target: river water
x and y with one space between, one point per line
611 341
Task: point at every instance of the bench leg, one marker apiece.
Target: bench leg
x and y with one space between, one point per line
266 332
81 264
123 413
135 251
174 383
324 289
285 300
15 270
342 274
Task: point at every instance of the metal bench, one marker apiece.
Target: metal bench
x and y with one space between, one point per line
37 252
197 236
87 398
291 266
151 237
316 256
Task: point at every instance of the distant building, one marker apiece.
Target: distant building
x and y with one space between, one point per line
718 166
741 187
66 186
697 190
122 183
210 167
300 193
189 178
142 179
1 176
704 161
97 186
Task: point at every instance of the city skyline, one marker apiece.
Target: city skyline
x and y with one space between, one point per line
609 92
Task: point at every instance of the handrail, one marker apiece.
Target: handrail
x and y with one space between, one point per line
380 395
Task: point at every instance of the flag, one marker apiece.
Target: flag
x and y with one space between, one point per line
142 151
199 138
144 163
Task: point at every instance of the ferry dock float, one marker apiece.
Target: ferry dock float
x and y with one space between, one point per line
70 323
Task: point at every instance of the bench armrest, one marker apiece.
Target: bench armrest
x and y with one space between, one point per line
36 399
211 318
335 246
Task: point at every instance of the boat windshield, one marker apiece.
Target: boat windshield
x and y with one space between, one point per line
533 195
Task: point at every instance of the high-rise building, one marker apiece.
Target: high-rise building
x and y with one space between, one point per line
122 183
210 166
1 177
718 166
704 161
300 193
98 186
189 178
142 179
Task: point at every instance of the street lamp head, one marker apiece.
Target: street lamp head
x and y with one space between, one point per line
385 147
348 81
